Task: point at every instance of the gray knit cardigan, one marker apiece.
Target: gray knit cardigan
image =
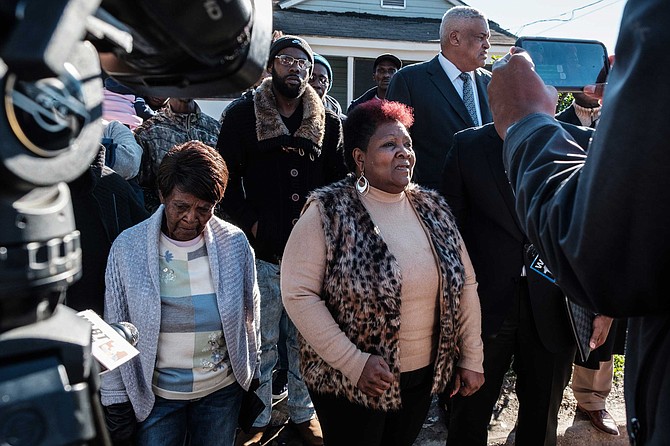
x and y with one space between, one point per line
133 294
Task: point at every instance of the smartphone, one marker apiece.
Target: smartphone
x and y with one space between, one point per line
567 64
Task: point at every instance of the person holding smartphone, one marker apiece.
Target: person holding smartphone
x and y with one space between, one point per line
599 220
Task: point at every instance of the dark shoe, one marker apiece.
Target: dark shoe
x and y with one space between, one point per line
601 420
279 385
253 438
310 432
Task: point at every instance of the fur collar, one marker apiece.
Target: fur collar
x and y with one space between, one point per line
269 124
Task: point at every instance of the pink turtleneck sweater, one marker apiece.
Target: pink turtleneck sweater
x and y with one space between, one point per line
302 274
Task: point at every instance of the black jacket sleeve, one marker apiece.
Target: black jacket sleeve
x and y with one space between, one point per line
234 151
600 221
334 165
452 187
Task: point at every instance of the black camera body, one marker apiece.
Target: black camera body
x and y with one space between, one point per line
51 53
204 48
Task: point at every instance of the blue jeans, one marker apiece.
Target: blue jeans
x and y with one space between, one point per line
209 421
300 407
282 351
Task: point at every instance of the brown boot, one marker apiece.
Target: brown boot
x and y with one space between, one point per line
252 438
310 431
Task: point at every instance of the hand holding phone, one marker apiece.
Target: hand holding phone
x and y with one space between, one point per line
516 91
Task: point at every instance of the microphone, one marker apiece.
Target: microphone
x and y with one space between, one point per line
112 345
128 331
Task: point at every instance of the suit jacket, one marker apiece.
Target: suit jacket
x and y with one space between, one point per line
603 229
480 196
439 112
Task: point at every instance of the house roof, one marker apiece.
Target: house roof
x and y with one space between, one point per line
369 26
289 3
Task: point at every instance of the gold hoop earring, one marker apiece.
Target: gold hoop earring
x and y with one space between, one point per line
362 185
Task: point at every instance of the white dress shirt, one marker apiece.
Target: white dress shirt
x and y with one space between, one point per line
453 74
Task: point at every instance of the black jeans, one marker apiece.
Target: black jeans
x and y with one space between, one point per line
348 424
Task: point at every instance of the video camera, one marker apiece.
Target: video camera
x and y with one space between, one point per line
51 52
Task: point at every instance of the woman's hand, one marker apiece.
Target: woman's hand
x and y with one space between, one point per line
376 377
466 382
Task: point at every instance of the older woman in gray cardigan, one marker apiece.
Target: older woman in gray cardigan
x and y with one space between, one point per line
186 279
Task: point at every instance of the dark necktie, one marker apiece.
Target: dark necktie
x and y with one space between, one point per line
469 97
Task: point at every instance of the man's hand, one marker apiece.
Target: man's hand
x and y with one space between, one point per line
601 328
376 377
466 382
595 91
516 91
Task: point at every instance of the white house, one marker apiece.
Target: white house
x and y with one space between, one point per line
352 33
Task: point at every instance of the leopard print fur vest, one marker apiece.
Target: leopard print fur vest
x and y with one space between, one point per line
362 288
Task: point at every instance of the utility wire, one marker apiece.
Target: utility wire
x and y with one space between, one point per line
579 17
570 13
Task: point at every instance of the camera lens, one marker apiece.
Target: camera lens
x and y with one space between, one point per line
46 115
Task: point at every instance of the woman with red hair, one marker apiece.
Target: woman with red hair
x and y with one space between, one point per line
377 280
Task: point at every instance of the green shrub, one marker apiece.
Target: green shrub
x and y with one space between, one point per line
564 101
619 363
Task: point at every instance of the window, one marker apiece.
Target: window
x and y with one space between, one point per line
395 4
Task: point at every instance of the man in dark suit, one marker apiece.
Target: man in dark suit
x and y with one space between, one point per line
602 227
448 92
523 314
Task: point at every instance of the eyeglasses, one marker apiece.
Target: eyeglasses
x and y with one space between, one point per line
323 80
381 71
288 61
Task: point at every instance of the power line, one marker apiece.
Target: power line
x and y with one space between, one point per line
579 17
571 14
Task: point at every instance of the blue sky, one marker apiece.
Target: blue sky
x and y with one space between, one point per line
599 21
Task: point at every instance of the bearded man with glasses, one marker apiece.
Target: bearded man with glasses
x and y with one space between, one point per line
279 145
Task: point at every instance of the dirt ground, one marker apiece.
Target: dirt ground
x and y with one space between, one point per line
574 429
